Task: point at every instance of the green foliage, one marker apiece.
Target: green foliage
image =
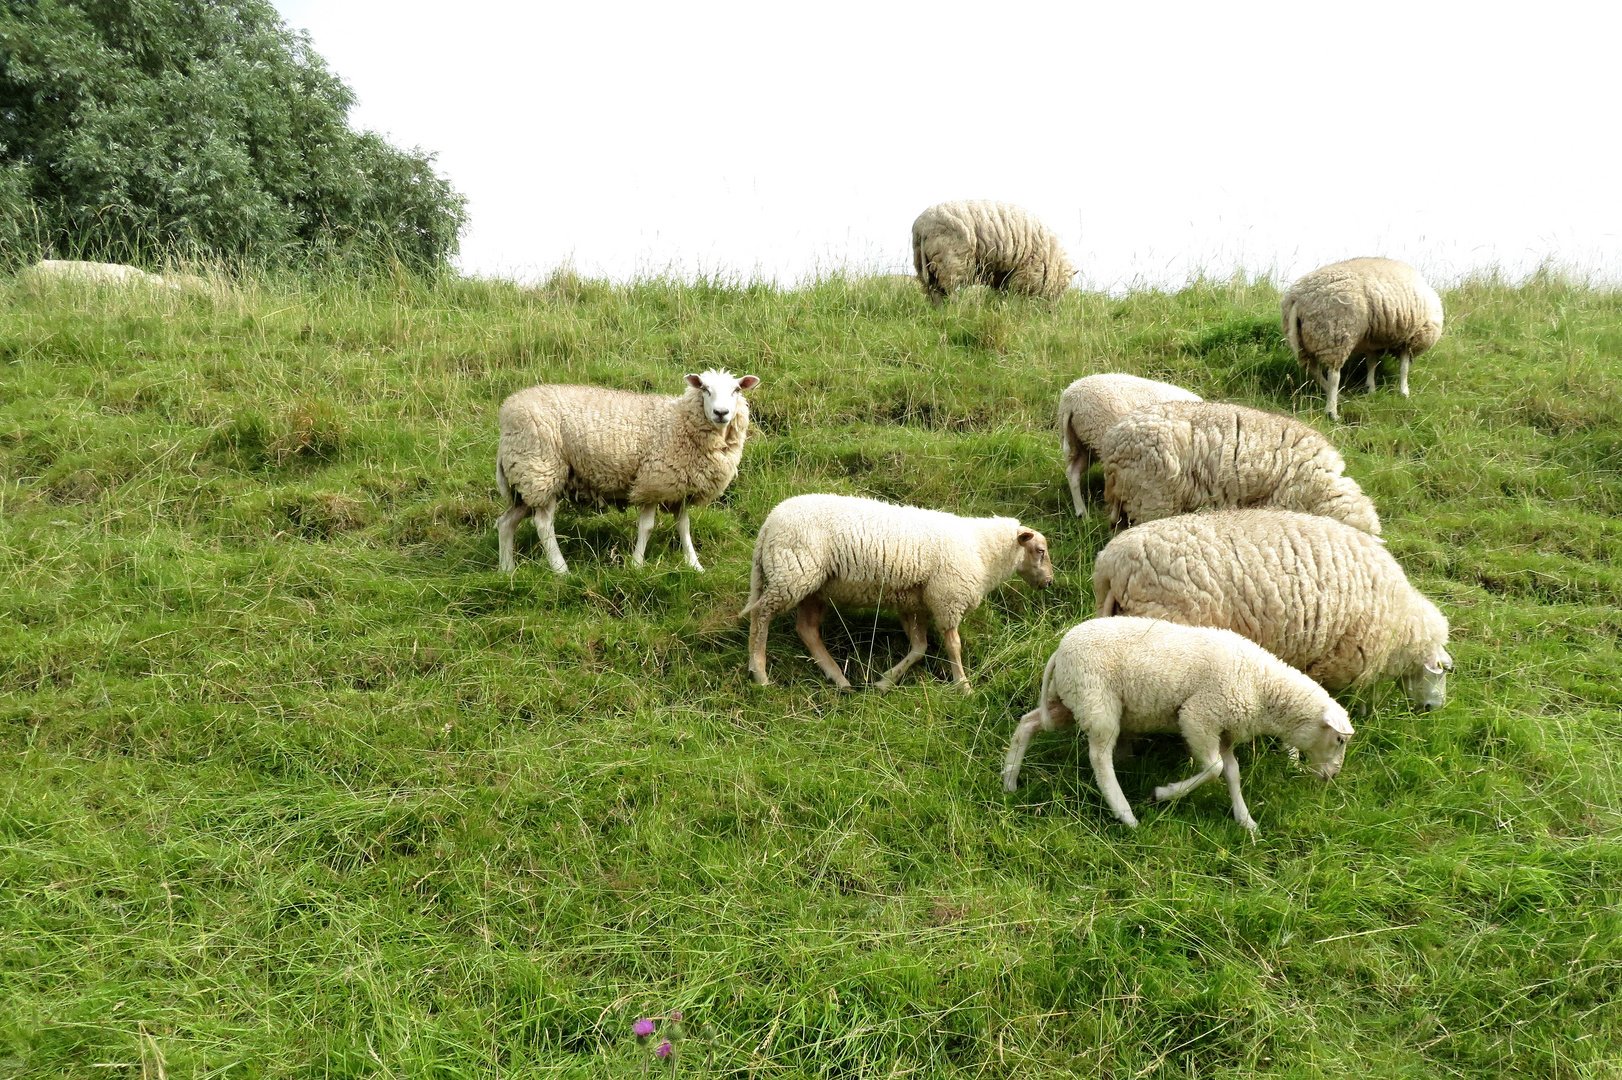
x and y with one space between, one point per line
136 131
296 784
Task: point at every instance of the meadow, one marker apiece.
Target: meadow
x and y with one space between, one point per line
296 784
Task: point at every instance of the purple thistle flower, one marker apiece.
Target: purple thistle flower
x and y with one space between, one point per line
642 1028
664 1049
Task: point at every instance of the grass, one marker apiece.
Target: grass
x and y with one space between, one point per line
295 784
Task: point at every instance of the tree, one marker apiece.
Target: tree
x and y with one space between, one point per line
131 129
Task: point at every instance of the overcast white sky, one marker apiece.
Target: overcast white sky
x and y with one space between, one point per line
1158 139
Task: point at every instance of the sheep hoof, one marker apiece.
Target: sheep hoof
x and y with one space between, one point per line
760 677
884 684
1248 823
1162 794
1010 781
697 566
963 685
1129 821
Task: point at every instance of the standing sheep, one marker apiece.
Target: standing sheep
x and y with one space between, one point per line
1181 456
1090 406
1320 596
1360 307
813 549
1138 676
979 242
643 449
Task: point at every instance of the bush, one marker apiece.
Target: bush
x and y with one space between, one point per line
134 132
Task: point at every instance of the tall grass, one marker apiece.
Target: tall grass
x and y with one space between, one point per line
297 785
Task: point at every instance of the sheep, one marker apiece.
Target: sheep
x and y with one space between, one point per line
1128 676
1090 406
987 243
643 449
813 549
1360 307
1180 456
1321 596
92 273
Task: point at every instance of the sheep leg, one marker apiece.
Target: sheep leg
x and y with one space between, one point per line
1373 370
1059 716
954 655
1403 373
1332 387
917 628
506 529
549 536
1101 748
684 530
644 529
1206 751
809 624
1230 770
760 620
1081 459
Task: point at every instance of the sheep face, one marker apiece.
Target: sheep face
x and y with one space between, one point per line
1034 565
1427 683
1323 742
719 392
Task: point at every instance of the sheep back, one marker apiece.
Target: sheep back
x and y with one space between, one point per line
1092 405
1180 456
616 446
1321 596
988 243
1360 307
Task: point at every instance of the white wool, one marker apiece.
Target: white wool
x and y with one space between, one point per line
1125 676
1092 405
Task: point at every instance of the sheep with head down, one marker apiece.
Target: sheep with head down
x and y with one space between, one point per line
979 242
1125 676
1360 307
1321 596
1092 405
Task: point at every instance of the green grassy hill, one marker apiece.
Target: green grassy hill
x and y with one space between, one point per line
295 784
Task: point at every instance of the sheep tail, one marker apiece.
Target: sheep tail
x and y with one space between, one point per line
1047 682
501 479
1292 329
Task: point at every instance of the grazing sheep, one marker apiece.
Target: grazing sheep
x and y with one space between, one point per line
1360 307
1090 406
1181 456
864 553
1319 595
91 273
987 243
642 449
1132 676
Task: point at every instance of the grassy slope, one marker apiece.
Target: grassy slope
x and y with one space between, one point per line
296 784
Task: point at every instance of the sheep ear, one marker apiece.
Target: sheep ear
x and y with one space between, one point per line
1434 669
1025 536
748 382
1337 722
696 382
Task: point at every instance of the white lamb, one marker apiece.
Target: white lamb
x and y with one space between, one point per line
1319 595
91 273
643 449
979 242
1181 456
813 549
1360 307
1125 676
1090 406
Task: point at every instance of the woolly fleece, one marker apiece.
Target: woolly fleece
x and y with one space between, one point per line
812 549
1319 595
1092 405
615 446
1139 676
1181 456
979 242
1360 307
